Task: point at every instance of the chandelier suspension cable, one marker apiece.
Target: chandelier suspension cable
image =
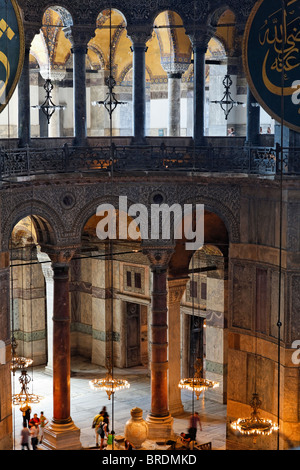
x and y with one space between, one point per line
279 323
110 384
25 398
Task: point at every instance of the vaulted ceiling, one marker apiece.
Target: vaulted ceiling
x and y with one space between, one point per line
168 45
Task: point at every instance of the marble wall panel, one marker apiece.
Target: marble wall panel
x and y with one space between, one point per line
242 296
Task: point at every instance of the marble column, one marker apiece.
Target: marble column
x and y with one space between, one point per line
174 98
79 38
24 123
253 119
24 133
199 49
79 72
139 49
61 433
48 275
176 289
160 422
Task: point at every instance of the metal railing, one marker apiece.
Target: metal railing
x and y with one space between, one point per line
122 159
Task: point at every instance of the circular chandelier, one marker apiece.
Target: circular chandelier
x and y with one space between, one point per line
24 397
197 384
18 362
254 425
109 384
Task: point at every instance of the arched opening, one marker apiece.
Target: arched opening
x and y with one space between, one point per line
51 58
31 309
204 303
109 55
111 277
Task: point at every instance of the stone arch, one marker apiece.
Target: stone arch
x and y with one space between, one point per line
220 229
90 210
47 223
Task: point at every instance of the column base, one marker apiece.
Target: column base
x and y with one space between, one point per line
61 437
176 408
160 428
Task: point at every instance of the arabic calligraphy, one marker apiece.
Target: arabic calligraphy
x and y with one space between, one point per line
11 49
273 70
280 34
5 29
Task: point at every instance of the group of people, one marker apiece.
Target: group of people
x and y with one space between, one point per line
102 432
33 428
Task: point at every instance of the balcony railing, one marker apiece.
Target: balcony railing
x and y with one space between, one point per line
122 159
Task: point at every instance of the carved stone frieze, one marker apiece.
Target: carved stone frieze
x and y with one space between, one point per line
193 13
66 223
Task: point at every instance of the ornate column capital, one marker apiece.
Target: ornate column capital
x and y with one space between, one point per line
200 37
79 36
30 30
60 256
139 35
176 289
159 256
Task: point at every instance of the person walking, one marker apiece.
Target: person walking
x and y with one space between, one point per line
96 423
43 423
34 433
194 421
25 434
103 431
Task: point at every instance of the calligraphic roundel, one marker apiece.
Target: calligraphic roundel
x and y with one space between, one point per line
11 49
271 57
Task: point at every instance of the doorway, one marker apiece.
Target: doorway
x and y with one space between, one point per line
197 343
133 334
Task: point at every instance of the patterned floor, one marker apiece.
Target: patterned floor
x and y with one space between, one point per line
85 403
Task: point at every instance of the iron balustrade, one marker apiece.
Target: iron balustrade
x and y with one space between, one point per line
122 159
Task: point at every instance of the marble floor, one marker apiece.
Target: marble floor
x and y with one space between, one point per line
85 403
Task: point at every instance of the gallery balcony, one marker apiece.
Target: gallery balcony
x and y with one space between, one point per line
218 155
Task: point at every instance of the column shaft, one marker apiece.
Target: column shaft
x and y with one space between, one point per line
159 363
176 288
139 92
253 119
174 96
61 345
199 92
79 74
24 103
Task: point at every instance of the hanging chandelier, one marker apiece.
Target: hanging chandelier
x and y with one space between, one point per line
197 384
24 397
254 425
111 102
48 107
18 362
227 103
109 384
